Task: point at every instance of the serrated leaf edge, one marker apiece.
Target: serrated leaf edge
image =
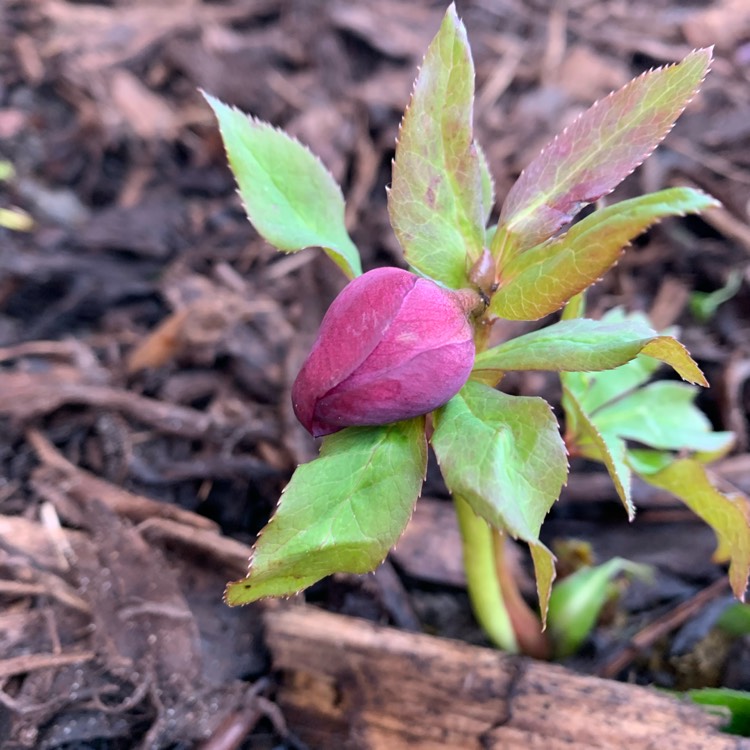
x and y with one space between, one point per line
253 549
451 10
624 496
599 102
503 528
558 240
263 124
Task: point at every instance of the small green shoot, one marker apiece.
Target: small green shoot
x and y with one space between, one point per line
577 602
704 305
15 219
733 705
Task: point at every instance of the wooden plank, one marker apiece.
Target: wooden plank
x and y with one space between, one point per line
348 683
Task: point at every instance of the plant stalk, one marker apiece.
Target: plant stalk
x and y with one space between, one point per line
527 627
485 592
493 591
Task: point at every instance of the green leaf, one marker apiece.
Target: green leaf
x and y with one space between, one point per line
289 196
577 601
436 201
341 512
661 415
583 345
597 389
645 460
727 515
591 443
735 620
542 279
503 455
597 151
736 702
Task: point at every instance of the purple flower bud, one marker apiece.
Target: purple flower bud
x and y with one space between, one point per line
391 346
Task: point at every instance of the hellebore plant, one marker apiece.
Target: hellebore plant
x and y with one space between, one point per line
397 346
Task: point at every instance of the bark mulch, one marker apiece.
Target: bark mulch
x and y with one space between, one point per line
149 338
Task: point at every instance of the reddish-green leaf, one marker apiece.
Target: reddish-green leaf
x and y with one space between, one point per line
289 195
727 515
590 157
542 279
584 345
436 202
341 512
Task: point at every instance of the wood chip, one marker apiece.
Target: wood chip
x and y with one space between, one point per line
350 683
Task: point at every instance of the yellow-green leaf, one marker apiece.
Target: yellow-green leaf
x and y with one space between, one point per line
544 570
727 515
542 279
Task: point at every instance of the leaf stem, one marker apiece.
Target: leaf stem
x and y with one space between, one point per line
485 592
482 555
527 627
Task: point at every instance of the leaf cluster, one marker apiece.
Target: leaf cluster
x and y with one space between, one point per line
503 455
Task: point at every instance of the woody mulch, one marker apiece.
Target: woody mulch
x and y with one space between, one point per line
148 337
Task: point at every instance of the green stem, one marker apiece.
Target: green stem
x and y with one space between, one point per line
485 592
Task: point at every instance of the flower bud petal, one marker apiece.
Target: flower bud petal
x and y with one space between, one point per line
391 346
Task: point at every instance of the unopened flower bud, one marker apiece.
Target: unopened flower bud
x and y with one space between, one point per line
391 346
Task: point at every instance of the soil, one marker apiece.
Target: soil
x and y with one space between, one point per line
149 338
